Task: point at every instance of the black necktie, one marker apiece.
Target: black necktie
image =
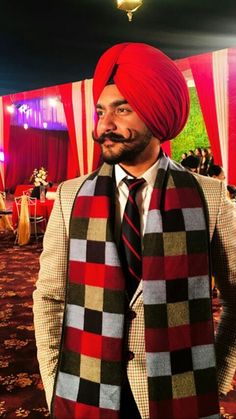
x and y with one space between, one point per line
131 237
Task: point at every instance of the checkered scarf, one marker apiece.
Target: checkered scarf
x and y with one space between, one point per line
180 356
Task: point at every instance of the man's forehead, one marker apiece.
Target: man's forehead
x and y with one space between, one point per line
111 95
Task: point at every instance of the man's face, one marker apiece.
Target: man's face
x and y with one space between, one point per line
122 135
221 176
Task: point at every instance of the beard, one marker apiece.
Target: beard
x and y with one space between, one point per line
129 147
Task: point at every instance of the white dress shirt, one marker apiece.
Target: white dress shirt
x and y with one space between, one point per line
143 195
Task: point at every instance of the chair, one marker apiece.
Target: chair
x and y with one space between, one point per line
28 220
28 192
4 212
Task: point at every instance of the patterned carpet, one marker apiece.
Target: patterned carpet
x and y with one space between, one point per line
21 389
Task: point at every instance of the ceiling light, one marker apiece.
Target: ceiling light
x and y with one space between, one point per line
2 156
52 102
129 6
11 108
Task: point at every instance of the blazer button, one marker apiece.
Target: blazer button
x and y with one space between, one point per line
130 355
131 314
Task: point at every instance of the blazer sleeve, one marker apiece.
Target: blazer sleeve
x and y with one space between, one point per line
49 295
48 298
223 247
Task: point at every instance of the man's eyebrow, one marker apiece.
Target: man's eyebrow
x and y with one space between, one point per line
114 104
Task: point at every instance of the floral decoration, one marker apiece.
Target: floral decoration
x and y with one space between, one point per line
39 177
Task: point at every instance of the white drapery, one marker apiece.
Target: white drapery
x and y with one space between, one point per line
220 78
83 110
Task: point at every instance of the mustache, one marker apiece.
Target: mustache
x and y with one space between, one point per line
110 135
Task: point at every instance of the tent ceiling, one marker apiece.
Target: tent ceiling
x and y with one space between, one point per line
55 42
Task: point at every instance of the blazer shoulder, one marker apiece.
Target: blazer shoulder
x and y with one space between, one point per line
215 194
70 187
66 193
67 185
212 188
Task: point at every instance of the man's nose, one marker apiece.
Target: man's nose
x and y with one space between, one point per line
107 123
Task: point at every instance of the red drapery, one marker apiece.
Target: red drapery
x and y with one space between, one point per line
232 116
78 110
201 67
33 148
7 101
83 155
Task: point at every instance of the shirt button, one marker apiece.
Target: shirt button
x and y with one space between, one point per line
130 355
131 314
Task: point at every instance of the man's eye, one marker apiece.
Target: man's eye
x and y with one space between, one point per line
99 113
122 110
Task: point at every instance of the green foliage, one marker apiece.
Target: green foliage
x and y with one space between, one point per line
194 134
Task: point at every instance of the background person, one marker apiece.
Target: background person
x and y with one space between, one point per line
203 163
232 192
191 163
198 153
183 157
216 172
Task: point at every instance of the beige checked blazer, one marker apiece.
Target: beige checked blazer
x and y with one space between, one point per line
50 290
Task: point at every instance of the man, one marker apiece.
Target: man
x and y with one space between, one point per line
231 192
191 163
216 172
122 334
210 157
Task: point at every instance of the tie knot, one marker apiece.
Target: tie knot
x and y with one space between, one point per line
133 184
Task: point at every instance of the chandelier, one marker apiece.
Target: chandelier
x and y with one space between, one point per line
129 6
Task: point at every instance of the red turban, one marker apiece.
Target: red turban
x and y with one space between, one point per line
151 83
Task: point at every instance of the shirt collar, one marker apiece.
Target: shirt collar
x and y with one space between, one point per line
149 175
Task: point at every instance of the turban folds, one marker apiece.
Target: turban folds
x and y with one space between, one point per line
150 82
